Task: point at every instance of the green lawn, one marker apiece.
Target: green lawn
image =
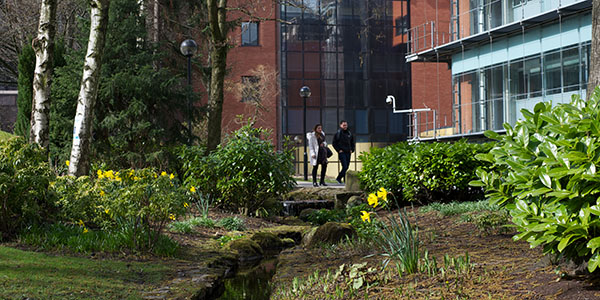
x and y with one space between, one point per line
25 274
5 135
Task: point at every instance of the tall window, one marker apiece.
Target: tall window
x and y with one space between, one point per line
249 34
250 89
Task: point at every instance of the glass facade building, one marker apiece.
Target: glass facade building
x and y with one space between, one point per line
351 55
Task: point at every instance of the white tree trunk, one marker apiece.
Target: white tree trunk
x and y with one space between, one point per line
82 127
43 45
594 78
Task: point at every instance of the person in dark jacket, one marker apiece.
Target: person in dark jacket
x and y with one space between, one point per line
343 143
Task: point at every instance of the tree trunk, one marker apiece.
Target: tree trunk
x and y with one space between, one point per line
217 20
43 45
594 78
82 127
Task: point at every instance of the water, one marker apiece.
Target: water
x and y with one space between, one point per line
251 283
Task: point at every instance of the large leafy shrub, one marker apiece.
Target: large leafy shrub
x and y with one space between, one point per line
545 174
244 172
24 180
423 172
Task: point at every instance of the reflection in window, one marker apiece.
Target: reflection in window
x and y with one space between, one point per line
552 73
249 34
571 69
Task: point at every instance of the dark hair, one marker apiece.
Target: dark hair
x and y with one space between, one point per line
343 121
315 129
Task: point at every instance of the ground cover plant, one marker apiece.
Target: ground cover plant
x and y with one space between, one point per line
5 135
36 275
424 172
545 174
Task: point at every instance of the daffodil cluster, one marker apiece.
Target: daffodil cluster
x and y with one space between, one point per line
374 200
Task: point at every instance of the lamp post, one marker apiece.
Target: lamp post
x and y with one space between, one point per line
305 93
188 48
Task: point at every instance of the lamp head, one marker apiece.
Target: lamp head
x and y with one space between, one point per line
188 48
305 92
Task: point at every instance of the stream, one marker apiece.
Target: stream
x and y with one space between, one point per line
251 282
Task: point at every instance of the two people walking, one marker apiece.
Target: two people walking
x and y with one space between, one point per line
343 143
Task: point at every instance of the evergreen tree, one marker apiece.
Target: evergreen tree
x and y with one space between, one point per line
136 114
25 87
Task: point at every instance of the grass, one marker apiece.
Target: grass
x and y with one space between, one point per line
187 226
25 274
457 208
5 135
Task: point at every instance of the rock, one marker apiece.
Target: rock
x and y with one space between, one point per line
247 249
354 201
352 181
305 213
293 221
267 241
287 242
293 232
342 198
329 233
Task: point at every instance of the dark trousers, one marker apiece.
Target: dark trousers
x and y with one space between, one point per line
323 170
345 160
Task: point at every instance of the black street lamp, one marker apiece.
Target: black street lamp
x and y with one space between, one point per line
305 93
188 48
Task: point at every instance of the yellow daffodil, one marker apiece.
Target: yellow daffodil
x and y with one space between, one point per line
100 174
382 194
85 230
135 178
67 163
102 193
106 210
109 174
366 217
118 178
131 173
193 189
172 216
81 223
171 176
185 204
373 200
163 173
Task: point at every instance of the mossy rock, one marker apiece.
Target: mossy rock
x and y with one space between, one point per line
247 249
293 221
292 232
329 233
287 242
267 240
305 213
354 201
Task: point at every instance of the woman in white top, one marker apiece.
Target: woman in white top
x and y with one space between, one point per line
318 153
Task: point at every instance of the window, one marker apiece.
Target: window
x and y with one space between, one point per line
249 34
250 89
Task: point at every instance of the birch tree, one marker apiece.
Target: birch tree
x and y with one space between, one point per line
82 128
594 78
43 45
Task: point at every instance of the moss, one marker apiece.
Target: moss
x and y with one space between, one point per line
247 249
267 240
330 233
286 231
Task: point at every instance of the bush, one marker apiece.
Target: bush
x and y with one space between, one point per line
423 172
24 180
232 224
141 201
244 172
545 174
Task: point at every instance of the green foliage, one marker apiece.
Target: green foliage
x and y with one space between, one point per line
187 226
244 172
322 216
400 243
82 240
24 180
232 224
26 69
491 221
459 208
5 136
136 98
545 174
140 201
423 172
